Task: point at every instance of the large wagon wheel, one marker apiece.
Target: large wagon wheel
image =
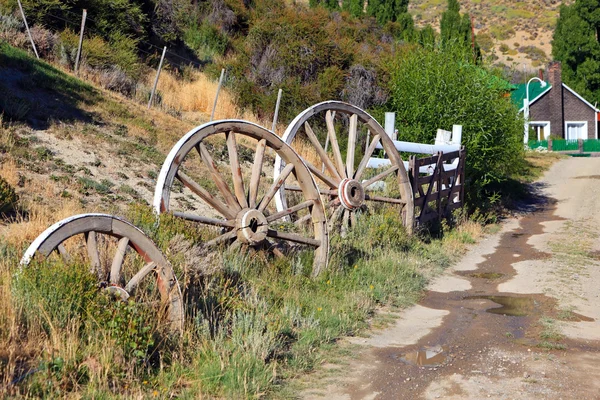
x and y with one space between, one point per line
230 191
341 171
106 241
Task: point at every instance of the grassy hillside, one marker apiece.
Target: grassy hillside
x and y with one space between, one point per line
254 323
511 32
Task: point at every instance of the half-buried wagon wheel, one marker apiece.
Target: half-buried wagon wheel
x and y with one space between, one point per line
219 167
340 162
105 242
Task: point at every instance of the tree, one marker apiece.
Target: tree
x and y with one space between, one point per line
576 44
387 10
433 88
354 7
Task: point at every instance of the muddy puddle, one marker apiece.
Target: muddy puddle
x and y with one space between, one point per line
588 177
426 357
480 318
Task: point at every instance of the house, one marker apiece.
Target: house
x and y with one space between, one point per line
556 109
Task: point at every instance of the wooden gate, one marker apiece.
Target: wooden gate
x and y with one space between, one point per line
437 184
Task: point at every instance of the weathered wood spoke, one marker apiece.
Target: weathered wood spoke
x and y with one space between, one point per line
365 160
380 176
351 145
316 172
204 194
141 274
219 180
293 237
92 249
322 154
382 199
205 220
236 170
256 170
291 210
63 253
335 147
275 187
117 263
222 238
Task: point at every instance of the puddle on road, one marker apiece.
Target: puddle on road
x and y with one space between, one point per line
427 357
487 275
588 177
509 305
517 235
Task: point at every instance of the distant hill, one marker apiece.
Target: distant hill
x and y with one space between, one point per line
515 33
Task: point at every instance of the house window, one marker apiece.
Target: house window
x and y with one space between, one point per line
541 130
576 130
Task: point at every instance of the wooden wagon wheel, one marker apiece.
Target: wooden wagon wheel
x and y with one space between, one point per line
230 191
106 240
341 171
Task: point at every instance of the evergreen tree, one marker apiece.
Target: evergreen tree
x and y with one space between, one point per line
354 7
387 10
576 44
453 27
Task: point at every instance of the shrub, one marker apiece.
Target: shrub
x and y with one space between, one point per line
433 89
8 197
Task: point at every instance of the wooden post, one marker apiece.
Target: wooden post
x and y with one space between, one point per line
276 110
212 114
580 145
28 31
549 144
83 17
162 58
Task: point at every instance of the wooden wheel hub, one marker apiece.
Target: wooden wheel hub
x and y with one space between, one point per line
252 226
351 194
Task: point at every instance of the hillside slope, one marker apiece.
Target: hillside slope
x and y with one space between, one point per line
517 32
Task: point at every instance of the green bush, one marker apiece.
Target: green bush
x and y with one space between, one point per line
8 197
206 40
432 89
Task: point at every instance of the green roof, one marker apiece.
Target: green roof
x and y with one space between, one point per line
535 90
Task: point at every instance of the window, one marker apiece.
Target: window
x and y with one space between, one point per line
541 130
576 130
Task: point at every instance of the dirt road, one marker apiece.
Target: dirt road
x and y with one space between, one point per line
517 318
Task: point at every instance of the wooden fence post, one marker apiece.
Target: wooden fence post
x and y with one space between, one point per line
83 17
28 31
212 114
276 110
162 58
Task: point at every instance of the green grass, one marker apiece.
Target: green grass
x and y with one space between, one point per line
253 322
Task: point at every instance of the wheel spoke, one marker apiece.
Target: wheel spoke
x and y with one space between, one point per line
141 274
275 187
296 208
117 263
351 144
256 170
223 238
92 249
204 195
205 220
334 144
380 176
365 161
304 219
335 217
63 253
295 188
316 172
353 218
315 142
384 199
345 222
293 237
219 181
236 171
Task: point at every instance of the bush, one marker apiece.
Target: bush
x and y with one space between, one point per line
8 197
433 89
